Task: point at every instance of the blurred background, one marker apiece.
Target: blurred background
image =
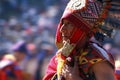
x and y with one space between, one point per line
35 21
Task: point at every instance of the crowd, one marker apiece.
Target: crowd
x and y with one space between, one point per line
32 21
35 22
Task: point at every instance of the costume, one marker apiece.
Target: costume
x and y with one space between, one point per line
9 70
88 16
94 54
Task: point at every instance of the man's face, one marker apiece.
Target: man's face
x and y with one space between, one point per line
66 29
19 56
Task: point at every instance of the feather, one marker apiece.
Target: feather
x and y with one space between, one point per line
113 18
112 21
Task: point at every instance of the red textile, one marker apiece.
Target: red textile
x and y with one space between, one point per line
117 73
51 70
117 76
16 72
88 59
10 69
3 75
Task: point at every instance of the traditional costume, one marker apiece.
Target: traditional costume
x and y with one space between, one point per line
9 69
90 17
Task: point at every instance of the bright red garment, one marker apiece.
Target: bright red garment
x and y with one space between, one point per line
9 69
117 74
87 59
51 70
5 76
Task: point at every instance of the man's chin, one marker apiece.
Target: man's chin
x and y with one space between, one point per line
66 40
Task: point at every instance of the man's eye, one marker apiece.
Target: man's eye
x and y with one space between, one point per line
62 22
70 24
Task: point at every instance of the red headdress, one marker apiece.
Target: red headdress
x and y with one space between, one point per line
91 15
83 14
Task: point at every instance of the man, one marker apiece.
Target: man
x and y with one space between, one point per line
80 55
9 65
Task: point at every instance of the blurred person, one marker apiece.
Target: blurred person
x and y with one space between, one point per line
38 56
80 55
46 52
9 65
32 59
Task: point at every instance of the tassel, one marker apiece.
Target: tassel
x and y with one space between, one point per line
60 65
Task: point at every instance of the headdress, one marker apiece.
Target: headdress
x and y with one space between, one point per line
98 15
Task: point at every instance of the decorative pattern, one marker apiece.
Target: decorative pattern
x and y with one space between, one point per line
67 48
89 57
76 5
92 12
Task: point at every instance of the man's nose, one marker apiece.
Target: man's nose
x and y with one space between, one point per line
63 28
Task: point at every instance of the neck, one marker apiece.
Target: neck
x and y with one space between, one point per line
81 46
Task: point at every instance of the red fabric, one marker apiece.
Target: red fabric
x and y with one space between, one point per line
17 72
117 76
51 70
90 57
117 73
3 75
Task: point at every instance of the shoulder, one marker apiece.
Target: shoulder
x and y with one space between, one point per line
7 60
103 71
53 60
51 69
99 50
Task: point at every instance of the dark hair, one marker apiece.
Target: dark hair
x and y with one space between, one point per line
21 47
